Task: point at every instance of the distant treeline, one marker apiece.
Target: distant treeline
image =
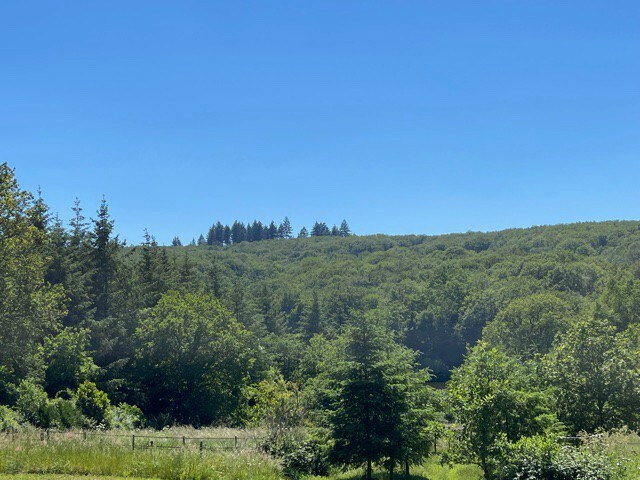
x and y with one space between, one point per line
257 231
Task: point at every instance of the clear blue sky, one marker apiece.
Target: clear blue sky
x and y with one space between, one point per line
403 117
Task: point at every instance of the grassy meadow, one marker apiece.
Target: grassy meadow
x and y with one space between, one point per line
109 456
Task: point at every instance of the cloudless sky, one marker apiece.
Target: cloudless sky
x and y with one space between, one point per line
400 116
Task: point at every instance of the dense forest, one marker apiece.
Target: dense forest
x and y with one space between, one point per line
535 330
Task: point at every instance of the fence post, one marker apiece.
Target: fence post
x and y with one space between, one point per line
84 433
184 440
42 437
151 443
133 442
200 447
235 441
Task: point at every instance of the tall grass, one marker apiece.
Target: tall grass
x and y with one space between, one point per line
86 457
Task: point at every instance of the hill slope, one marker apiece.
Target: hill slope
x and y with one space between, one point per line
437 291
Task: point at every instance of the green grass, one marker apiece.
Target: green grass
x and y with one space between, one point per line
35 476
101 459
430 470
69 457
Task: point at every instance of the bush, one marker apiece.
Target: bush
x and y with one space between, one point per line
125 416
31 402
66 414
93 403
37 409
299 455
541 457
9 419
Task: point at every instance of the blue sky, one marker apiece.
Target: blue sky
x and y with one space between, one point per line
402 117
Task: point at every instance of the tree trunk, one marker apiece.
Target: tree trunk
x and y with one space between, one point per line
369 469
406 467
392 465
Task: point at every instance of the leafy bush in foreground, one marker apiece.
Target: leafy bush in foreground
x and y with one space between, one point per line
536 458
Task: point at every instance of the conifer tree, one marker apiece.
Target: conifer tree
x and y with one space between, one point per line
303 233
285 230
211 235
176 242
219 234
227 235
201 240
311 324
273 231
153 271
103 256
335 232
249 232
344 229
257 231
78 271
238 232
320 229
187 273
375 416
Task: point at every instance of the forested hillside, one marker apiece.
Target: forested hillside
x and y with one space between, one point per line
94 332
439 292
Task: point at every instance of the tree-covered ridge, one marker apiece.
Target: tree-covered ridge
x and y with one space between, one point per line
224 235
537 329
438 291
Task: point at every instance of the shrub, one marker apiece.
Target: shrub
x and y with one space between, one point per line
125 416
299 454
539 457
65 413
31 402
9 419
93 403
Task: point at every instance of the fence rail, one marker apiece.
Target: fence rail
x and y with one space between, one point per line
142 441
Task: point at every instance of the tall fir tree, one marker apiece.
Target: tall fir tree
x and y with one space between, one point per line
176 242
285 230
211 235
303 233
103 259
345 231
257 230
273 231
312 320
218 237
249 232
320 229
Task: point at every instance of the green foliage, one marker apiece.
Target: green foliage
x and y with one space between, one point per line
495 401
125 416
540 457
275 404
528 326
30 308
596 374
31 402
94 403
192 360
68 363
378 409
37 409
10 420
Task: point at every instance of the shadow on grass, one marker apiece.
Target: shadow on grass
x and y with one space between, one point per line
383 476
